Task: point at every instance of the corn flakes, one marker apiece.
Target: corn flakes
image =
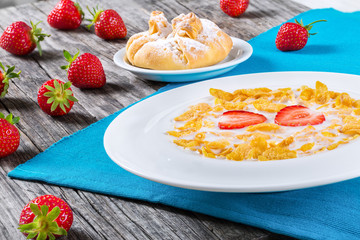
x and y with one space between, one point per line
265 127
322 95
220 94
268 106
196 129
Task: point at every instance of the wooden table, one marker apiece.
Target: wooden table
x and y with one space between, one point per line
97 216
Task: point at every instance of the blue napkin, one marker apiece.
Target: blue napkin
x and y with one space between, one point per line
326 212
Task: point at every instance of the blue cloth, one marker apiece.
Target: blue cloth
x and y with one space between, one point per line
326 212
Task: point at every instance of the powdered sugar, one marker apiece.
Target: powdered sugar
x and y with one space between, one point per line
163 26
167 47
188 36
209 31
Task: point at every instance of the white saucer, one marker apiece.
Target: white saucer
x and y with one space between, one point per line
240 52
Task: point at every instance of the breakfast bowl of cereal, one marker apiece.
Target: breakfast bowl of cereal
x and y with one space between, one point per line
250 133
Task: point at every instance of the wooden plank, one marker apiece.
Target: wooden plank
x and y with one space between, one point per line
98 216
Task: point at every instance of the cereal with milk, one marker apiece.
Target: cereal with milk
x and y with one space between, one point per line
199 127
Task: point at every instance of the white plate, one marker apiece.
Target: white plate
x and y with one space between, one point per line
240 52
136 141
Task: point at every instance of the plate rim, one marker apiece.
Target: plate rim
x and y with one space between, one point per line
206 187
247 53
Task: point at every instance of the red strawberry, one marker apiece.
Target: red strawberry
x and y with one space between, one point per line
85 71
108 24
298 115
47 217
294 36
56 97
234 8
4 78
240 119
66 15
9 135
20 39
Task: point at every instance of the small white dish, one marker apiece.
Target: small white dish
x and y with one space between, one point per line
240 52
137 141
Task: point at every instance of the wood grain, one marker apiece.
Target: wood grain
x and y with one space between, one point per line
98 216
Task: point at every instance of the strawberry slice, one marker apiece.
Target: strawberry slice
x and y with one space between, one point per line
298 115
240 119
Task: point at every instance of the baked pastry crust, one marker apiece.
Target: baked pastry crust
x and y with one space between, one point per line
188 42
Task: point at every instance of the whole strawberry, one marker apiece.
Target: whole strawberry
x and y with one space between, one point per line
5 76
66 15
294 36
85 71
20 39
56 97
108 24
234 8
9 135
45 217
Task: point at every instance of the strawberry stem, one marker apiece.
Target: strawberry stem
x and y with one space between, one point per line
95 13
69 58
309 26
8 74
10 118
37 35
43 225
323 20
59 95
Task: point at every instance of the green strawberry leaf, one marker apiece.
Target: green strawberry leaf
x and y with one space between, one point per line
60 231
42 236
51 99
13 75
67 104
62 107
10 69
49 88
27 227
9 118
67 55
72 98
53 214
67 85
48 94
76 55
16 120
2 67
32 235
44 209
54 106
35 209
51 236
